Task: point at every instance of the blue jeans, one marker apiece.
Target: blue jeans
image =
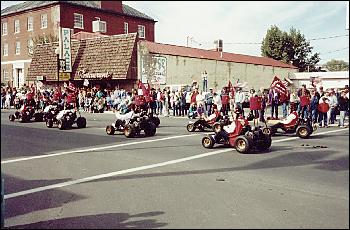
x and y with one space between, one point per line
341 118
314 114
159 107
322 117
285 109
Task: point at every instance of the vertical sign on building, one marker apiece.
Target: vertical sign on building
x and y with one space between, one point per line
66 46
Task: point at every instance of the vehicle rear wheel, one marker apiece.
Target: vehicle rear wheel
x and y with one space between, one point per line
156 121
12 117
303 131
264 143
190 128
150 129
62 124
22 118
38 117
110 130
208 142
242 144
81 122
49 123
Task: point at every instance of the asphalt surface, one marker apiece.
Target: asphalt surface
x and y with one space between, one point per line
83 178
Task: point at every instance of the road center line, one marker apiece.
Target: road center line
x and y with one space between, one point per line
112 174
94 149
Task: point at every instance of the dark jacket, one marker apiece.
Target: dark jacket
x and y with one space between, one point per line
343 104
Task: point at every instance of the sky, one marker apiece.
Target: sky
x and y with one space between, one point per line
202 22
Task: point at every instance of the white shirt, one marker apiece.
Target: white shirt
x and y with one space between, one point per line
230 128
239 97
199 99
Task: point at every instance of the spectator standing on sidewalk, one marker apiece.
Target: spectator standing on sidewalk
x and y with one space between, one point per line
314 105
343 104
323 108
274 98
209 101
332 104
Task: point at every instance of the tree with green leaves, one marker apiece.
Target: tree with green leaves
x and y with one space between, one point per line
291 48
336 65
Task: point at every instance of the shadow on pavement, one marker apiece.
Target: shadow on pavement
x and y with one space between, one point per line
289 160
100 221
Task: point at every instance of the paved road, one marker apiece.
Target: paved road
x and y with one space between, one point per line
82 178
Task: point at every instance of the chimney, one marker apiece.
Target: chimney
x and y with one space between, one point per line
219 45
116 6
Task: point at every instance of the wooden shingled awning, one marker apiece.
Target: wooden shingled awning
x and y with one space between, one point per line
104 57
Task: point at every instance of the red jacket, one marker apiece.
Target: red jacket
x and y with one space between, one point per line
323 107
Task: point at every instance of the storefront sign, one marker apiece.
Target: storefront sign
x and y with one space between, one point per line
64 76
67 52
83 75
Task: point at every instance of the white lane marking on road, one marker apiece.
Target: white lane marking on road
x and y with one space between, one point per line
112 174
94 149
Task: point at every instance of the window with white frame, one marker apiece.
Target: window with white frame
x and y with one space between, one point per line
4 28
141 30
126 28
18 48
6 76
30 46
43 21
17 27
78 21
30 23
5 51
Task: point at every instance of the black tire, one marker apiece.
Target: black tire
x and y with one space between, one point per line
190 127
208 142
12 117
242 144
217 127
156 121
17 114
267 131
264 143
22 118
38 117
303 131
110 130
49 123
62 124
129 131
150 129
81 122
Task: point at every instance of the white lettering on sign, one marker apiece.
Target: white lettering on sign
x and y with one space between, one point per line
83 75
67 52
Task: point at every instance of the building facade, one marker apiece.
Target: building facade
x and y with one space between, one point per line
163 64
23 23
328 80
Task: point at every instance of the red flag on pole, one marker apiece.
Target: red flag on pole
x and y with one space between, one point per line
145 91
278 85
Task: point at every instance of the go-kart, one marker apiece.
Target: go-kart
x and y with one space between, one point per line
291 124
51 111
131 124
26 113
240 135
65 120
213 122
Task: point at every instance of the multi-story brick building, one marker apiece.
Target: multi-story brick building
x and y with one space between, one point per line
21 24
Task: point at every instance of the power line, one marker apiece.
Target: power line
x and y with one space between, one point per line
259 43
333 51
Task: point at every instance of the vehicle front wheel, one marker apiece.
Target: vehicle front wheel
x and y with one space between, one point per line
303 131
12 117
208 142
190 128
242 144
81 122
110 130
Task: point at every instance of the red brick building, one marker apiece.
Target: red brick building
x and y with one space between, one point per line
23 23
